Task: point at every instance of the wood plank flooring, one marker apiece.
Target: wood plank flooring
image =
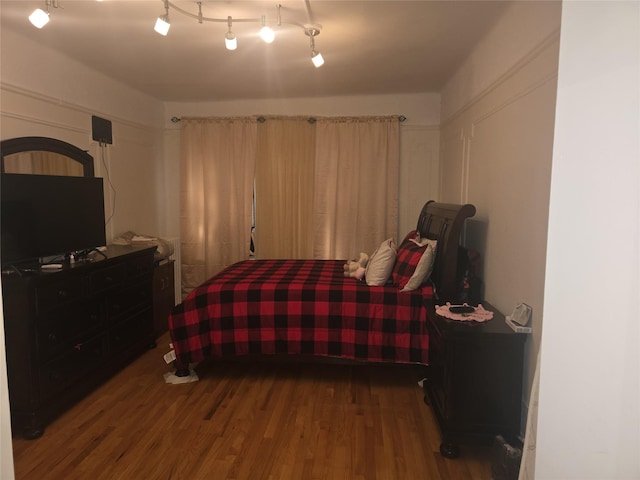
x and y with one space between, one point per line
248 420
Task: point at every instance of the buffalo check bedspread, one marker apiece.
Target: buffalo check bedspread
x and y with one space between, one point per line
299 307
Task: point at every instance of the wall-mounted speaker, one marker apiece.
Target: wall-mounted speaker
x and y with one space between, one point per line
101 129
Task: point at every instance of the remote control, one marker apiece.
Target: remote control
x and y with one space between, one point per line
51 266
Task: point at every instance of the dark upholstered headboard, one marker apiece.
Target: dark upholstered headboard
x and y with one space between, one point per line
443 222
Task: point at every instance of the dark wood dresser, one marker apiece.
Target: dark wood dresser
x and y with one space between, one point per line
474 382
68 330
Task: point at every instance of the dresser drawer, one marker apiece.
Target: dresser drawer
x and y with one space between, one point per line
71 365
130 299
54 294
58 329
106 278
130 331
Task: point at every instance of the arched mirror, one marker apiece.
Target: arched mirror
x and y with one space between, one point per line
44 156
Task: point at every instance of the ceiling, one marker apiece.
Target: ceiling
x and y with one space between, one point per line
369 47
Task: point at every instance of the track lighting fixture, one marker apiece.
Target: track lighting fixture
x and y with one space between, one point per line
231 41
266 34
162 23
39 18
316 57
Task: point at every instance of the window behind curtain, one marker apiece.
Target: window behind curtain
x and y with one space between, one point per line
284 188
217 171
323 189
356 178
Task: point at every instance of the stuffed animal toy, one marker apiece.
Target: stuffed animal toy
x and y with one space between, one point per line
356 268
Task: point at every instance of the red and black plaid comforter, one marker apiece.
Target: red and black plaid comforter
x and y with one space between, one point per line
299 307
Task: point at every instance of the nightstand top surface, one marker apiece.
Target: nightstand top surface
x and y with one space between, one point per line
495 326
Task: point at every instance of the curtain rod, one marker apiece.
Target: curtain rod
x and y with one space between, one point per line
401 118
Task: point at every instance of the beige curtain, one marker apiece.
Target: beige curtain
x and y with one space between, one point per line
284 188
356 185
217 171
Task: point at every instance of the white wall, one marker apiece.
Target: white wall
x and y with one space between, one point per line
419 139
511 40
588 414
419 173
496 151
43 93
589 407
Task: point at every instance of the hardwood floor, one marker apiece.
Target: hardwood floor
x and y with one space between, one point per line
248 420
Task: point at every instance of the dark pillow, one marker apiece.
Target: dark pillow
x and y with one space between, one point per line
412 235
414 263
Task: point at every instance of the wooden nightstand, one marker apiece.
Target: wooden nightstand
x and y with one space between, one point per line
163 296
474 383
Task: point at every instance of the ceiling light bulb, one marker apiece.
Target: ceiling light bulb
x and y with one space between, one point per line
162 25
316 58
39 18
267 34
230 41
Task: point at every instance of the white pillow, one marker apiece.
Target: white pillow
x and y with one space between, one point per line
423 270
381 264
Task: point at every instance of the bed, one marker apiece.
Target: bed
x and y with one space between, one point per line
309 307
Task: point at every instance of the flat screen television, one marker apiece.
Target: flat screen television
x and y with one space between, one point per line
44 216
